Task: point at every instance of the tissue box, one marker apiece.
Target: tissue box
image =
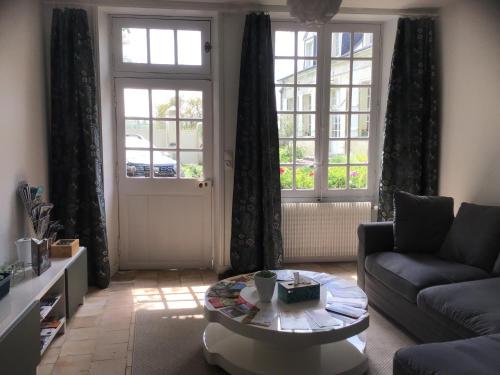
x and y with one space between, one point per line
306 290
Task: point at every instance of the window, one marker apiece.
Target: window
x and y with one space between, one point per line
325 90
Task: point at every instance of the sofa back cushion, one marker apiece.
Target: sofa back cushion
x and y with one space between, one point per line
474 237
421 222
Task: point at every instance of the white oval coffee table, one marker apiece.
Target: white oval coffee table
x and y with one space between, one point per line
248 349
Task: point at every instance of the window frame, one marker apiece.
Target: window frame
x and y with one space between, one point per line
323 51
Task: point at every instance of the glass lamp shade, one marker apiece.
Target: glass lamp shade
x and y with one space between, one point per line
313 11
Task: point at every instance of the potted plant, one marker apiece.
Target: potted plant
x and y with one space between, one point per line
265 282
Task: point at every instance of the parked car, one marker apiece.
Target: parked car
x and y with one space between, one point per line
138 160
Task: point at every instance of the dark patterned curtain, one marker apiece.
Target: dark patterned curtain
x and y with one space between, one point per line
76 182
256 223
411 145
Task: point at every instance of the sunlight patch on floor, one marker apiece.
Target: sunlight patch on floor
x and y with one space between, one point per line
170 298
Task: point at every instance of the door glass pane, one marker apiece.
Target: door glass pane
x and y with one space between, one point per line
190 104
339 99
161 45
306 124
164 103
359 152
137 133
341 44
338 126
337 178
283 71
358 177
285 99
191 164
136 102
362 72
189 47
191 134
363 44
285 125
164 164
284 43
360 125
306 71
304 152
286 177
304 178
164 134
134 45
286 152
306 99
361 97
337 152
307 43
138 163
340 73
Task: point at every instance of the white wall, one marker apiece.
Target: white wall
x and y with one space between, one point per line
470 141
23 143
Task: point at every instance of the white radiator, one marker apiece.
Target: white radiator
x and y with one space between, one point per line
322 231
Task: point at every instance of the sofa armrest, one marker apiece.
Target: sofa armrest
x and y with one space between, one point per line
373 238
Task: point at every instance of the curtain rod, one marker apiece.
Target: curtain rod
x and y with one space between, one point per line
232 6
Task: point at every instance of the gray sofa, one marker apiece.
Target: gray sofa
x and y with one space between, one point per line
435 300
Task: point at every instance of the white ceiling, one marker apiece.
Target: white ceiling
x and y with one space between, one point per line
374 4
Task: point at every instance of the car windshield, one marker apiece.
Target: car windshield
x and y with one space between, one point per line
133 140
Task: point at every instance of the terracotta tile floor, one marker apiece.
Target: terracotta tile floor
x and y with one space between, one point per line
99 339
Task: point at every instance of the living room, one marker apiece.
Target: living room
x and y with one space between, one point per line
204 187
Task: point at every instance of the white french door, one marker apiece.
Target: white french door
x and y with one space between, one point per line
164 155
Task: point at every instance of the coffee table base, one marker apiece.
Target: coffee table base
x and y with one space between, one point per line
240 355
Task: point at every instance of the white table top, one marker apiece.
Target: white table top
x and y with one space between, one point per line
23 295
332 288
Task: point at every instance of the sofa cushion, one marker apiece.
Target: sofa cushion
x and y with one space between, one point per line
421 222
474 237
479 355
407 274
472 305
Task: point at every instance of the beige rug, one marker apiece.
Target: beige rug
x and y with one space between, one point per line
169 343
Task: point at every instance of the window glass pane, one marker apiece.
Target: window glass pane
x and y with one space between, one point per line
341 44
138 163
284 43
362 72
189 47
337 178
136 102
304 152
134 45
283 71
306 125
285 125
358 152
191 164
163 102
340 72
361 97
285 99
363 44
306 71
360 125
190 104
286 177
306 98
339 99
337 152
164 134
338 126
164 164
358 177
191 134
307 43
304 178
286 152
137 133
161 45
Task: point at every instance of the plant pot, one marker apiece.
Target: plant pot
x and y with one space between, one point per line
265 282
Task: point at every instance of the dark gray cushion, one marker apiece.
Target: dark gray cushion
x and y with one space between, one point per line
476 356
421 222
474 237
407 274
473 305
